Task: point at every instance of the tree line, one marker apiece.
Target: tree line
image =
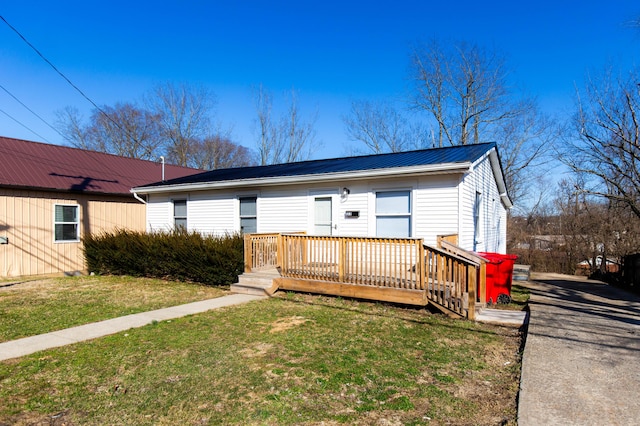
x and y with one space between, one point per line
175 121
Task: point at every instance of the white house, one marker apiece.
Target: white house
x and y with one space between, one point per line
423 194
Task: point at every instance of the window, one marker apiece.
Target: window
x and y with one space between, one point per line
248 215
393 214
477 221
180 214
66 223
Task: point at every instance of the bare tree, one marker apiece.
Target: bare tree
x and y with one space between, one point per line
525 141
124 130
267 146
287 139
595 229
185 115
604 147
177 125
463 89
69 122
381 128
218 152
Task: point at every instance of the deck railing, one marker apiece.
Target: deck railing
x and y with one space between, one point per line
382 262
389 264
260 251
452 281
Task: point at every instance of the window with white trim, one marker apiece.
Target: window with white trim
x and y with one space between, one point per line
180 214
393 214
248 215
477 221
66 223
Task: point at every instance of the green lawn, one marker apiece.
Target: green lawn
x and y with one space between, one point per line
295 359
39 306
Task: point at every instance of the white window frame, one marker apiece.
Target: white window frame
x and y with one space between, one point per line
408 214
241 216
478 219
62 223
173 213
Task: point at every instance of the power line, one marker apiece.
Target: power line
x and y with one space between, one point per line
29 129
50 64
31 111
64 77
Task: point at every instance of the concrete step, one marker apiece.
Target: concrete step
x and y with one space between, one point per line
258 283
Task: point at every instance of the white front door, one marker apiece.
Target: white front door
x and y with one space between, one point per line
323 222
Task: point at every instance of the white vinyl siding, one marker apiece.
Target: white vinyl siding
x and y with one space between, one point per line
356 201
213 212
436 207
283 210
489 234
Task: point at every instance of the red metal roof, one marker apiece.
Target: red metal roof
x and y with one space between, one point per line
54 167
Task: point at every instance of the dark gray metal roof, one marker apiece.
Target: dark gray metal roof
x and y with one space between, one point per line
425 157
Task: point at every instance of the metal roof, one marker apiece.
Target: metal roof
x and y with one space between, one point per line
35 165
426 157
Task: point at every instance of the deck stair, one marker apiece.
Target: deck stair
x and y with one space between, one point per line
258 282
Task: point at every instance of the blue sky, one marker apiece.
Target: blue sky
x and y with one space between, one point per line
330 52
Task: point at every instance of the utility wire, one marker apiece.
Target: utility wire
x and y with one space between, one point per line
31 111
32 131
50 64
64 77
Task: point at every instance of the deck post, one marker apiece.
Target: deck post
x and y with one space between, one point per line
421 268
471 289
342 259
248 252
482 283
280 255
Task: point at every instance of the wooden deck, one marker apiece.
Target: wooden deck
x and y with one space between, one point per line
400 270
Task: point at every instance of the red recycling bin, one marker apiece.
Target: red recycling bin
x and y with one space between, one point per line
499 274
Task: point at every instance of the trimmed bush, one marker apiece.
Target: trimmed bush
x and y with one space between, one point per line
176 255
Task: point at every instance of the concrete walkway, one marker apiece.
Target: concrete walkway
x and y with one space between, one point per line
502 317
29 345
581 362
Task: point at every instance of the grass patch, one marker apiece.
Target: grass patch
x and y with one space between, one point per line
40 306
519 299
297 359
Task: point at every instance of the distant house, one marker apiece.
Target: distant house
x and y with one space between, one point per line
424 194
51 195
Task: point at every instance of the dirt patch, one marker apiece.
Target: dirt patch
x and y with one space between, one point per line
258 350
284 324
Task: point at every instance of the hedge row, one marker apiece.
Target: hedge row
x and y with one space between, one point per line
176 255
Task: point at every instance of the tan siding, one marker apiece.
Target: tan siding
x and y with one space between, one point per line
26 218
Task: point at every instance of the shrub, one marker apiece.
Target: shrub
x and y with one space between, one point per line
179 255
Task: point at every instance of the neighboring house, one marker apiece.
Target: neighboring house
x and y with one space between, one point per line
586 267
542 242
424 194
50 196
